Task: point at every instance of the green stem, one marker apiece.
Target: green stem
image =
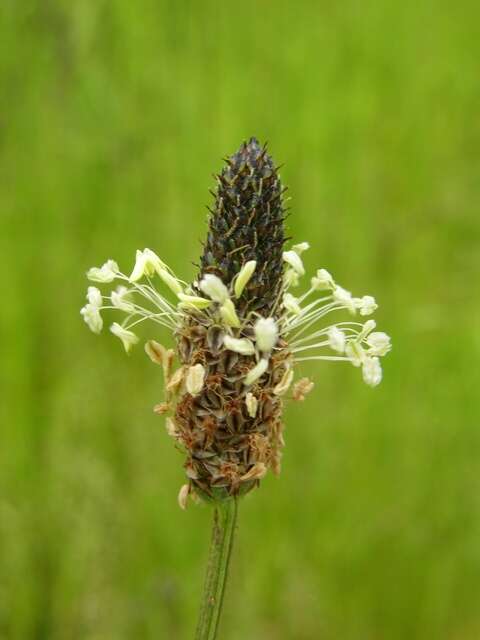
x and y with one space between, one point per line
224 520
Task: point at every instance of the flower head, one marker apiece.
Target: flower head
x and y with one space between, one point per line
240 333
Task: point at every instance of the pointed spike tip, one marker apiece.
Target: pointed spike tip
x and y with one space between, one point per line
247 224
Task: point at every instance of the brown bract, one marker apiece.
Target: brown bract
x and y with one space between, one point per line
246 223
227 450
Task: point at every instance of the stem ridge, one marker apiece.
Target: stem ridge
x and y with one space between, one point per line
224 522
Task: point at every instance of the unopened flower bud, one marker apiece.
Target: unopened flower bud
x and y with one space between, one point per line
244 276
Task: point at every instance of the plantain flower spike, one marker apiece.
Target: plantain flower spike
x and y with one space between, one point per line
239 332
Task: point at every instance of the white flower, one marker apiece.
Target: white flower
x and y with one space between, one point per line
257 372
252 404
366 305
119 301
214 288
355 352
229 314
240 345
195 302
372 371
344 297
300 248
336 339
379 343
94 297
293 259
92 317
127 337
266 334
291 304
146 263
106 273
322 281
194 379
244 276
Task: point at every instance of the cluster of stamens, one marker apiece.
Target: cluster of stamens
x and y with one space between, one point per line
257 355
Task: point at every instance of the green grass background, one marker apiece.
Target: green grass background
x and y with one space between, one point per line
113 115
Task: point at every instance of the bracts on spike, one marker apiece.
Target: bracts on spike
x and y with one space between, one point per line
232 431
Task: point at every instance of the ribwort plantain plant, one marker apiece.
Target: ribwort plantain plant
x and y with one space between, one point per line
239 334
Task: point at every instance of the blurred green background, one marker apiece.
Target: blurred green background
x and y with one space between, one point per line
113 115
